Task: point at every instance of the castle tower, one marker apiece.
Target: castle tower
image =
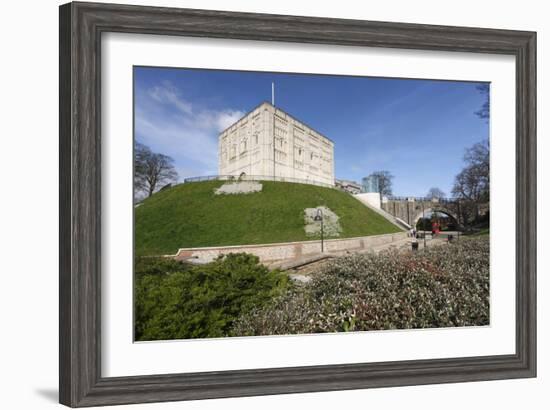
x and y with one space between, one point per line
268 142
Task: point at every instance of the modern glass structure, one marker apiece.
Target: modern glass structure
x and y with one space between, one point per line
371 184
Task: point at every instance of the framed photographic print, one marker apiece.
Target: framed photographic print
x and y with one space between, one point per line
261 204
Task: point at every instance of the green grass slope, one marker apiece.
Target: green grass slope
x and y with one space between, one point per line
191 215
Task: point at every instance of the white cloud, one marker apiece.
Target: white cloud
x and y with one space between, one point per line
216 120
178 141
168 123
227 118
168 94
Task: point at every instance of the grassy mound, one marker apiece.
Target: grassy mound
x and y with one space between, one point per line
191 215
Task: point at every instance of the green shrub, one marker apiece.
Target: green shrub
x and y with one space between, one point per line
185 301
155 265
444 286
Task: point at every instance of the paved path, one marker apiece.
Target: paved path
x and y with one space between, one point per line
301 269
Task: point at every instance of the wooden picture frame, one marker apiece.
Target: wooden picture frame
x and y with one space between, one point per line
81 27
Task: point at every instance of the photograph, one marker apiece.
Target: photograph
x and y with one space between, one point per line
271 203
280 206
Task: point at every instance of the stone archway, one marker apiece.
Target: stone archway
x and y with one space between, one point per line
441 210
409 209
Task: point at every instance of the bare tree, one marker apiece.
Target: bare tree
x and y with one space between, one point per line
385 181
151 170
435 193
484 111
467 185
472 184
478 158
141 153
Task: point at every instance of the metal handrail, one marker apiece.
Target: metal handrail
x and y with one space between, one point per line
255 178
420 198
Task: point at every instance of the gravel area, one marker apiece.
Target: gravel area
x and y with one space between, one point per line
331 225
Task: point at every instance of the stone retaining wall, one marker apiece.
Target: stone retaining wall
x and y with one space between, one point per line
278 252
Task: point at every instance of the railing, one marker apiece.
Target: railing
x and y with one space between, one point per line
303 181
255 178
420 199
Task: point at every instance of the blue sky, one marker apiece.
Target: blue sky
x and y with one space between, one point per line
416 129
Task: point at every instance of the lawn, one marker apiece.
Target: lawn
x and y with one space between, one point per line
191 215
482 232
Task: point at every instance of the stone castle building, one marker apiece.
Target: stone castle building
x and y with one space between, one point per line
268 142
